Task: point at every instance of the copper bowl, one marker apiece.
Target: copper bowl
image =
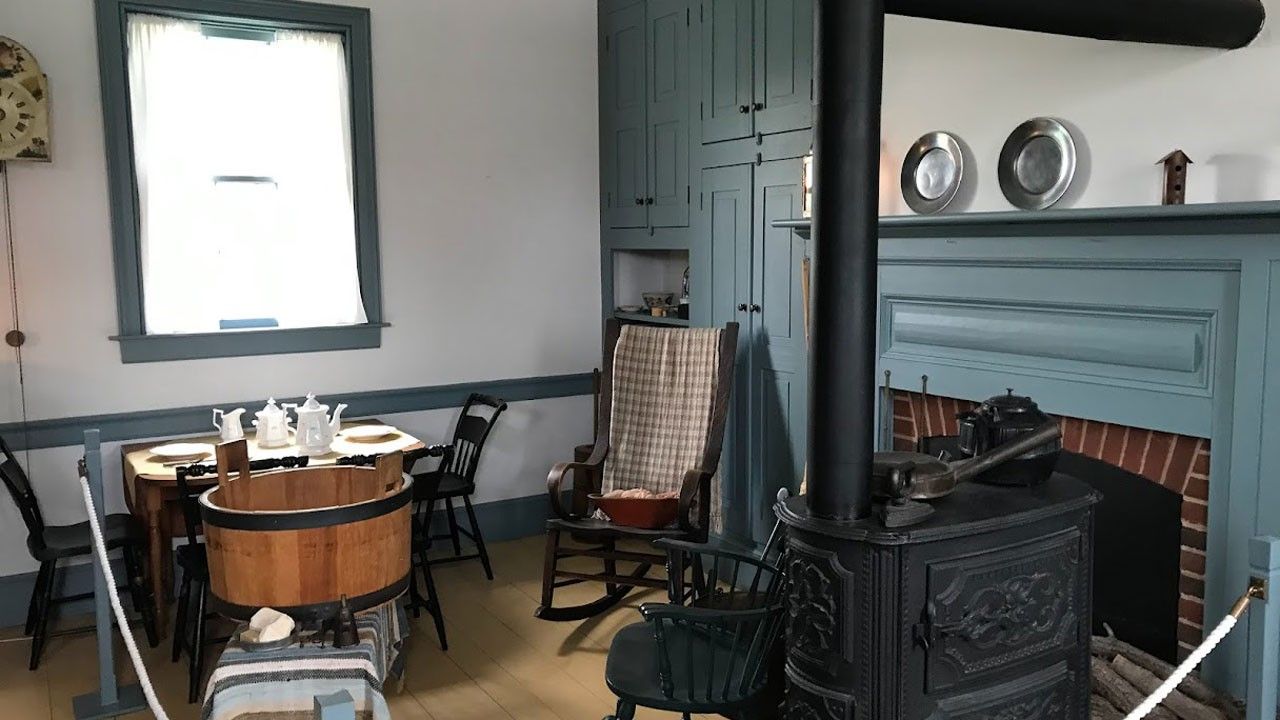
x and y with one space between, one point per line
647 513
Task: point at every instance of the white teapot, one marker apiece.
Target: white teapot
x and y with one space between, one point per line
273 426
315 430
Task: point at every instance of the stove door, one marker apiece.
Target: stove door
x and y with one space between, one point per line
999 611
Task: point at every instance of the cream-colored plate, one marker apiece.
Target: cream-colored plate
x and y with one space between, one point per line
369 433
182 451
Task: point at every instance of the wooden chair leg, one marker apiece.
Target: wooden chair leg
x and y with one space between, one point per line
41 628
549 567
433 605
180 621
624 711
610 566
478 537
417 559
453 526
37 592
195 669
138 593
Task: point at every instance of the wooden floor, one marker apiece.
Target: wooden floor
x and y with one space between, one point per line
502 662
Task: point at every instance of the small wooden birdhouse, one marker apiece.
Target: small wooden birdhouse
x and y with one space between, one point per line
1175 177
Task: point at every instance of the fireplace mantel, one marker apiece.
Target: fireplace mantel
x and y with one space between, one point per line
1196 219
1164 318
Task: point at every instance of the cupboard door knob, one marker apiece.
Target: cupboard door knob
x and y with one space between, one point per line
758 106
639 201
742 307
648 201
755 308
744 109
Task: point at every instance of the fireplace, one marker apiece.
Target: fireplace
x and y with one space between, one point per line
1177 469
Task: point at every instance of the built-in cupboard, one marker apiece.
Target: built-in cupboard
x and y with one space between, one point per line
706 110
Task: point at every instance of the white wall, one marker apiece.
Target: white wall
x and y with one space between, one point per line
486 130
1131 103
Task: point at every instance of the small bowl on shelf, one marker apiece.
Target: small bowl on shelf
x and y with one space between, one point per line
646 513
658 299
631 308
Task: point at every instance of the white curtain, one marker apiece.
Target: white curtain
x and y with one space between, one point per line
243 159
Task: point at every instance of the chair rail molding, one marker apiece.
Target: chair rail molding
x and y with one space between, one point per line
65 431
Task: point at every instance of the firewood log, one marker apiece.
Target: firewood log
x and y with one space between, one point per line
1100 709
1146 681
1108 683
1193 686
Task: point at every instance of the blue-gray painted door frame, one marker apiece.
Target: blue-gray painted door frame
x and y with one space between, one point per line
726 212
727 86
784 65
668 67
623 99
779 358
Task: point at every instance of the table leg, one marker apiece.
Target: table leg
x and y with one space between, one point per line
156 557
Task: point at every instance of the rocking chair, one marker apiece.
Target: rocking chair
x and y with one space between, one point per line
664 399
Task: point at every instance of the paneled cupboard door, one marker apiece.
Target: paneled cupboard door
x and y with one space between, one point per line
784 65
668 84
625 163
726 212
727 91
779 357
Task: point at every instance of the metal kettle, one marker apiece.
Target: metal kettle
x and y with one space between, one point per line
1002 419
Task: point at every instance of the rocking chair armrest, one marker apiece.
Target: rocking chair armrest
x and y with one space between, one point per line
555 479
690 489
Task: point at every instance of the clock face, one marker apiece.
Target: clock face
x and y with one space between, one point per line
24 109
18 112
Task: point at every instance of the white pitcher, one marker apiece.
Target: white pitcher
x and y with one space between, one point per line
229 428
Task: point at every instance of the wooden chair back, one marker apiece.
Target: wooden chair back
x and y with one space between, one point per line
470 434
19 487
717 650
719 409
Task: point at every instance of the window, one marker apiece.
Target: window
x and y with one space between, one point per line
241 177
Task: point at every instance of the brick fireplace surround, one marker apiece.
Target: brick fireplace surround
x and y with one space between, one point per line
1178 462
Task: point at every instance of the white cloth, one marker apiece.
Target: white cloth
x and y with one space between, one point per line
209 107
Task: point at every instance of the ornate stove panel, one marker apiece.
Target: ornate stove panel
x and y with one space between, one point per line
982 611
990 610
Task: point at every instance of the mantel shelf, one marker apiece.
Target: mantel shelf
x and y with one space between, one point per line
1196 219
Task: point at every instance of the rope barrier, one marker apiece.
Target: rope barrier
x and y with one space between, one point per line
100 550
1219 634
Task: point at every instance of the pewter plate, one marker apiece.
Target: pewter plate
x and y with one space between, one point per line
932 173
1037 164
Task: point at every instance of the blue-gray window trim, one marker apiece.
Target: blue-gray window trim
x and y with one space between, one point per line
249 15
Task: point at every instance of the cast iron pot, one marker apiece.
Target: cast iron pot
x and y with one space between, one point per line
999 420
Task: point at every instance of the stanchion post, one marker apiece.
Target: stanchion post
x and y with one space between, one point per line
1264 629
111 700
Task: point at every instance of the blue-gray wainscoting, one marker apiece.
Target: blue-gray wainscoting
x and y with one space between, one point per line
117 427
501 520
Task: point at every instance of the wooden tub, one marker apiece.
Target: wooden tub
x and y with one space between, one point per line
302 540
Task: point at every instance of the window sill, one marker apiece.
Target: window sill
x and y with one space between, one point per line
238 343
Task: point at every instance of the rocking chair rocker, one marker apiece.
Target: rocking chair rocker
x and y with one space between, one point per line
664 399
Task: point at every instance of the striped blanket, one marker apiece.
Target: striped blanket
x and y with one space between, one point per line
283 684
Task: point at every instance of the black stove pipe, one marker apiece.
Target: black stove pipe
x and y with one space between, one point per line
1225 24
842 358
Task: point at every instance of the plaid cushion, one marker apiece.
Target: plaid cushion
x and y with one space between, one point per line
664 388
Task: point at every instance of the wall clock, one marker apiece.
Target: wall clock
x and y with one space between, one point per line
24 105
